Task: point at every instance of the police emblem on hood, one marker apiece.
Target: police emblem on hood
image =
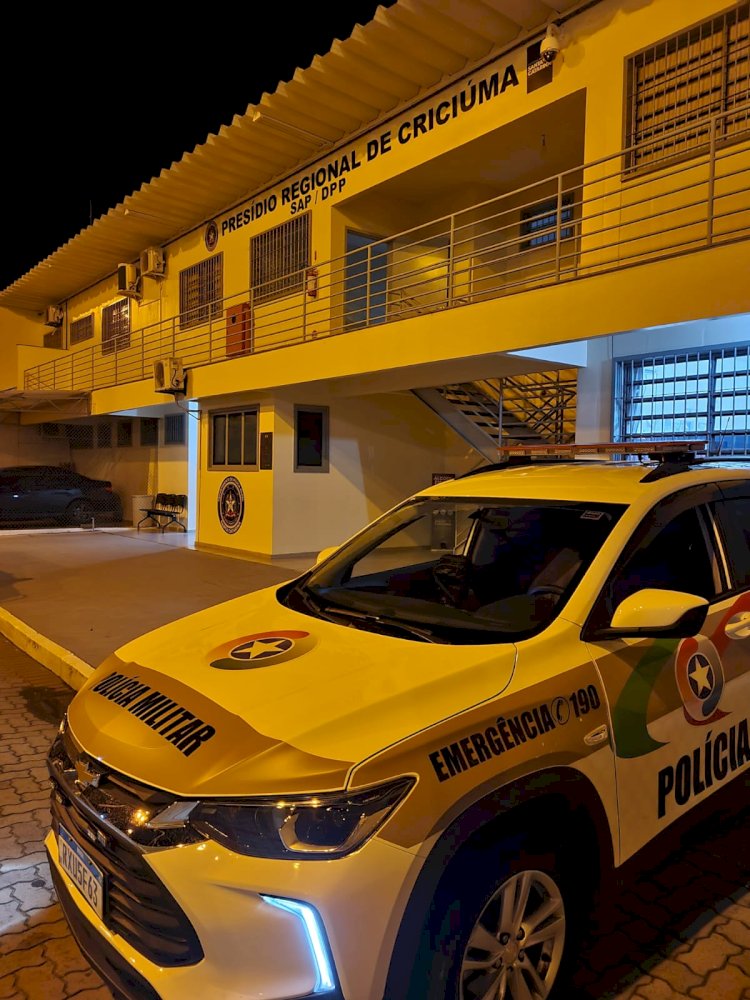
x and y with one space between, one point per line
262 649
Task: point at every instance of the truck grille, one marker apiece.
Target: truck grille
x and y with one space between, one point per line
138 905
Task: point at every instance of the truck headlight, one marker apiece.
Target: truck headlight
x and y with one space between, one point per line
322 826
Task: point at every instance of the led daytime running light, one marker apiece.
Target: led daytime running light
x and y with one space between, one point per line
316 937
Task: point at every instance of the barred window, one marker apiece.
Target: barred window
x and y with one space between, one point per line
81 435
676 86
149 431
53 338
124 433
116 326
688 395
278 259
82 329
104 435
539 222
234 439
201 291
174 428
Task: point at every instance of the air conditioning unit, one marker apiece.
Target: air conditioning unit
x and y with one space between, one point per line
169 375
53 316
153 262
129 280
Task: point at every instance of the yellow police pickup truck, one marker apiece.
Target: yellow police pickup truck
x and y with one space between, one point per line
400 774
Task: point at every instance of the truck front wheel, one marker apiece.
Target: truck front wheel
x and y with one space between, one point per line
503 926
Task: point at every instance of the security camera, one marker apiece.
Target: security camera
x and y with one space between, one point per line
550 45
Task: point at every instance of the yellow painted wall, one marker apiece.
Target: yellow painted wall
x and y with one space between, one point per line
26 357
653 295
255 534
382 448
16 328
595 45
21 445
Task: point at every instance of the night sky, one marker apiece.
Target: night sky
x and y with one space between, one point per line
91 112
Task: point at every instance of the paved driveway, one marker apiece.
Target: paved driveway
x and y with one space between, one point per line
93 591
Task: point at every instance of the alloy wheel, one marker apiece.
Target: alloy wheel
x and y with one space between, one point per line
515 947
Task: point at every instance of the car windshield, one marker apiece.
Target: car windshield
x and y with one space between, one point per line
459 570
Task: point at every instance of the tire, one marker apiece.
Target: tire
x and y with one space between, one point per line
79 512
505 924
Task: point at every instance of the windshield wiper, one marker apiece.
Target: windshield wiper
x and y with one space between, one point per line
311 602
394 624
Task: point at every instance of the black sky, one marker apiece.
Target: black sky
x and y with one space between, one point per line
92 111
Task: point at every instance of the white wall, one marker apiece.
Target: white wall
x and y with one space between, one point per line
382 449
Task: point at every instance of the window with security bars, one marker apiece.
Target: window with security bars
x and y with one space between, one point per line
149 431
81 435
53 338
175 428
124 433
82 329
201 291
676 86
116 327
539 222
104 435
700 395
278 259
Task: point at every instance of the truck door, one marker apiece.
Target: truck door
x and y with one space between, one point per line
677 728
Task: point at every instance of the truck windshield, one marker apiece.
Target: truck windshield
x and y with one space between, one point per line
459 570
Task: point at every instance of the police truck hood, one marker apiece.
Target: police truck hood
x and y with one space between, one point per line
250 698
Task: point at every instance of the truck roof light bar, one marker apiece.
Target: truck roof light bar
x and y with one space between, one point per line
656 450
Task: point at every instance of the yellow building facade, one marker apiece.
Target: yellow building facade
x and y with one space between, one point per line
462 206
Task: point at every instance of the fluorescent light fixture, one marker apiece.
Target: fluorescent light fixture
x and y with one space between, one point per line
316 937
262 116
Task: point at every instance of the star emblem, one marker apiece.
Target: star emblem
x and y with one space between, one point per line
700 675
231 505
261 649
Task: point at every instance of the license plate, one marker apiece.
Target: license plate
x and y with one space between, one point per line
85 875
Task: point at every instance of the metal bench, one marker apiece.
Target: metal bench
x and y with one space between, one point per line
168 508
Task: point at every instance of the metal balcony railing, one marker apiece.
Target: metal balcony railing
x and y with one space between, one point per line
592 218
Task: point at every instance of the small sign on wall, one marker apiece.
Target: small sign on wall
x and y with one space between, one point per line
538 69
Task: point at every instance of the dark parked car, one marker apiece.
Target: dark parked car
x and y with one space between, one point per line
47 492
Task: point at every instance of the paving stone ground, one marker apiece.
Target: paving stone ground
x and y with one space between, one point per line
679 926
678 929
39 960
